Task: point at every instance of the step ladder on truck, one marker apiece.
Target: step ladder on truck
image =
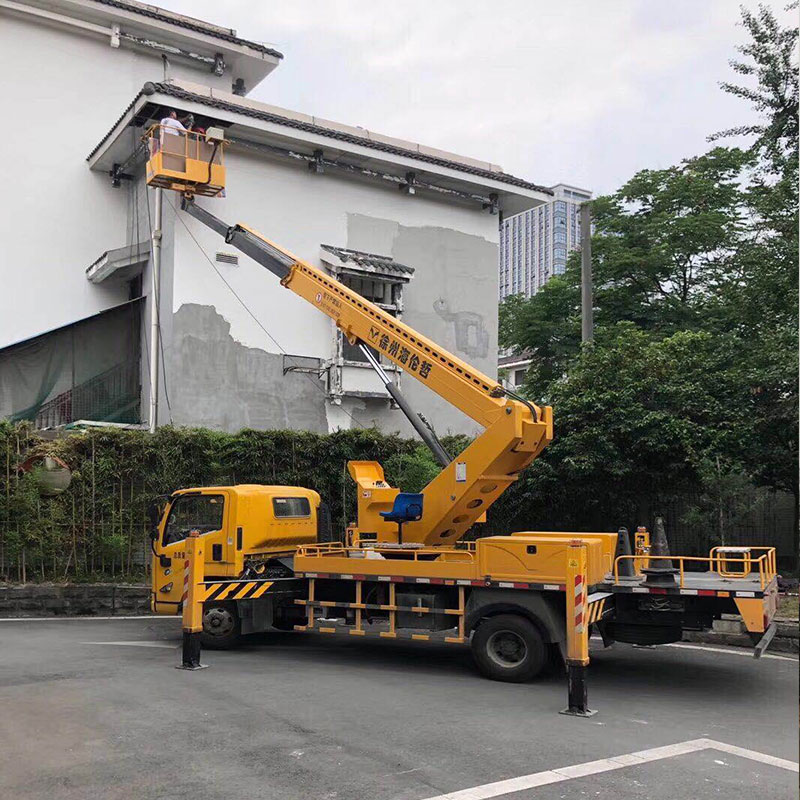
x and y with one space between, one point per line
241 559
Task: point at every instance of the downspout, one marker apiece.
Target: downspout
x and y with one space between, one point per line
155 303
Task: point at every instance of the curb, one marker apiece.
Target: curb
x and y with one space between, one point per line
787 638
73 600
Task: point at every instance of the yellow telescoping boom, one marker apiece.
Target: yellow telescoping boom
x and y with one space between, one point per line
516 430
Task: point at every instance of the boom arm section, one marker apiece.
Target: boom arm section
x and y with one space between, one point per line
516 432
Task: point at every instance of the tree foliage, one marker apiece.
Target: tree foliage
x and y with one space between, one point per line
691 383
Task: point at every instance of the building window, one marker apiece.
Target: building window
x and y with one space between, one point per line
519 377
387 294
379 279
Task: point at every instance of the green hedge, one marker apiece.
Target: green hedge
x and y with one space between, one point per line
97 528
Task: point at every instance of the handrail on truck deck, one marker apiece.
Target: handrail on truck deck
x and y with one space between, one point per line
412 553
765 564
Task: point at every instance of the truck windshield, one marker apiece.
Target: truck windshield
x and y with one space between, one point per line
202 512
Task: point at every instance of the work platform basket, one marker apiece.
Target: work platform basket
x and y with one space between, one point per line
186 161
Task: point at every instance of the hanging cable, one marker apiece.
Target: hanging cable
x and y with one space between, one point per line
252 315
525 402
210 162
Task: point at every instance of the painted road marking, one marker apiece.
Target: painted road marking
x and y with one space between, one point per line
499 788
139 644
744 651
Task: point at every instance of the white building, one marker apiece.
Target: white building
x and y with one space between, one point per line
411 227
534 244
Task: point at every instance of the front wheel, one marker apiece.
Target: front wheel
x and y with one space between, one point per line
222 627
508 648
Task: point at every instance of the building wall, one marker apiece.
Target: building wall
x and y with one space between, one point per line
451 299
534 244
60 93
63 91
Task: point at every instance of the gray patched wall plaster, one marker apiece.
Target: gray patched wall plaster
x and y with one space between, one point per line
216 382
452 299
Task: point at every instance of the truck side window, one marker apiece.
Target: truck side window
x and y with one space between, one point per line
291 506
202 512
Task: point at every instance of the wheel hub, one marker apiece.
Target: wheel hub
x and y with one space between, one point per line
218 621
507 648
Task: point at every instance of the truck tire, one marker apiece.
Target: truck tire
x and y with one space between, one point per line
222 628
508 648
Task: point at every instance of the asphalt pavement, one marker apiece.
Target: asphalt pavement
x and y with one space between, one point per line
93 708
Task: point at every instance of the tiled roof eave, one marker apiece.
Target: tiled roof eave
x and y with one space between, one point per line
266 116
186 23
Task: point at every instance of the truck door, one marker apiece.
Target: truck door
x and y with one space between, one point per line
188 512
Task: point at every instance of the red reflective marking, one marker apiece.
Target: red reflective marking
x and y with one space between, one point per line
437 580
477 583
359 577
578 580
706 592
662 591
521 585
396 580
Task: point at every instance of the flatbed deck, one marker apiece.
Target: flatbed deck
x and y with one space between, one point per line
703 584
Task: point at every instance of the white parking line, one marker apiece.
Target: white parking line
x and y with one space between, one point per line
172 646
489 790
744 651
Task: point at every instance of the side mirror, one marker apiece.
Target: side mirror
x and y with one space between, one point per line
154 516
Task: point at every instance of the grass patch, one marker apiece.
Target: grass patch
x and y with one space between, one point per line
787 606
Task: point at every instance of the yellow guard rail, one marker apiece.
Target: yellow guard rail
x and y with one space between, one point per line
764 565
190 162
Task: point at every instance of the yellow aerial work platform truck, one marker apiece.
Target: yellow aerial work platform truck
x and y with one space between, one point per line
241 559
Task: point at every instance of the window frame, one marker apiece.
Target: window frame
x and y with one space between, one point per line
302 498
192 498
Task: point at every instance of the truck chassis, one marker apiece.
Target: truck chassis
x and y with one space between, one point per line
515 628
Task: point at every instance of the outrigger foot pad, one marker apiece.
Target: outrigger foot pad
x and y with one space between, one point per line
191 652
577 696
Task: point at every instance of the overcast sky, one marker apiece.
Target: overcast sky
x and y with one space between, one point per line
581 91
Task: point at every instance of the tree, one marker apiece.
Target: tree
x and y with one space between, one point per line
690 387
760 301
771 59
662 244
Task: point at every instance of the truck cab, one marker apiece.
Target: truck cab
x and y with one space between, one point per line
247 529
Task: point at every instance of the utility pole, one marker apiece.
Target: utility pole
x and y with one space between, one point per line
587 321
155 302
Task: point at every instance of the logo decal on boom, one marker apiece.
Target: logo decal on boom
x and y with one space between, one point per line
397 352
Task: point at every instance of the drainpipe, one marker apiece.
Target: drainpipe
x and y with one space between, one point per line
155 302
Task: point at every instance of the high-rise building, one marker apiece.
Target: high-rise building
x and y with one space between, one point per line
534 244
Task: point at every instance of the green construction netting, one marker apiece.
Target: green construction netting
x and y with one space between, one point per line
86 370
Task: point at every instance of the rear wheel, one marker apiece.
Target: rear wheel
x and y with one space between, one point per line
222 627
509 648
